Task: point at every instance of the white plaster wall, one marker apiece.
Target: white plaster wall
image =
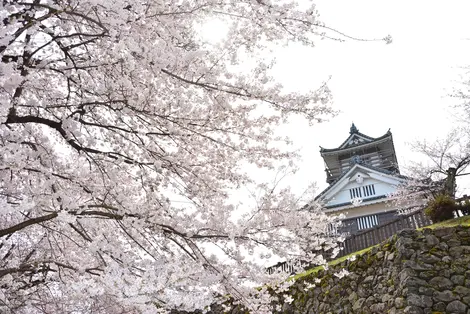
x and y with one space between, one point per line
379 207
381 188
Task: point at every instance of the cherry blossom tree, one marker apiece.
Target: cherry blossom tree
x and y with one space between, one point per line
123 134
448 158
445 159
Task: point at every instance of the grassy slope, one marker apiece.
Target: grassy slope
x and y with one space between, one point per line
462 221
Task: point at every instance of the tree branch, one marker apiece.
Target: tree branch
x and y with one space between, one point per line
27 223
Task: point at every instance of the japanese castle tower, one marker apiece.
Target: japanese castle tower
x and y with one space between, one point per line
361 173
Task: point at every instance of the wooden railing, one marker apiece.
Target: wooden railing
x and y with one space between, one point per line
281 266
380 233
377 234
370 237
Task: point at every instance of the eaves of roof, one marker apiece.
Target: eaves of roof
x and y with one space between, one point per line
373 140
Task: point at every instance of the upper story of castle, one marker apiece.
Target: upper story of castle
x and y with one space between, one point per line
362 149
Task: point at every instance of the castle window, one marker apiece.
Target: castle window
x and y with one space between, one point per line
364 191
355 193
368 190
367 222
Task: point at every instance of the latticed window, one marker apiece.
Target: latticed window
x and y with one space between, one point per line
364 191
368 190
355 193
367 222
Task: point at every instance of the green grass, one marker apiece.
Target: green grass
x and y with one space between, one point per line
461 221
331 263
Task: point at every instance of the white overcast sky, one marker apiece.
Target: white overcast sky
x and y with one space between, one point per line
403 86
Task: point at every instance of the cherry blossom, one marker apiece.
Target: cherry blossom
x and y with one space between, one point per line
124 134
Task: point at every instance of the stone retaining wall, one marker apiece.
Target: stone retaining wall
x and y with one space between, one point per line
414 272
420 272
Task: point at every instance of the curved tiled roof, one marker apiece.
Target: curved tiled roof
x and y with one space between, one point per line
372 140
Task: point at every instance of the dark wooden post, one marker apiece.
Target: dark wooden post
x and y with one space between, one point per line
449 187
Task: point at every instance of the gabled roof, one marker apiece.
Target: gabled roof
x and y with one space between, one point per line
354 168
355 139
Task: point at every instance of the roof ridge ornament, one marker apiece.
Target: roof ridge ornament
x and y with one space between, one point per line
353 129
356 159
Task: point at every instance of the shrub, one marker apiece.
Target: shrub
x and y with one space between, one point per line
441 208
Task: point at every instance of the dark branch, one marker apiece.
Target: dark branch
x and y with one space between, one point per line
27 223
